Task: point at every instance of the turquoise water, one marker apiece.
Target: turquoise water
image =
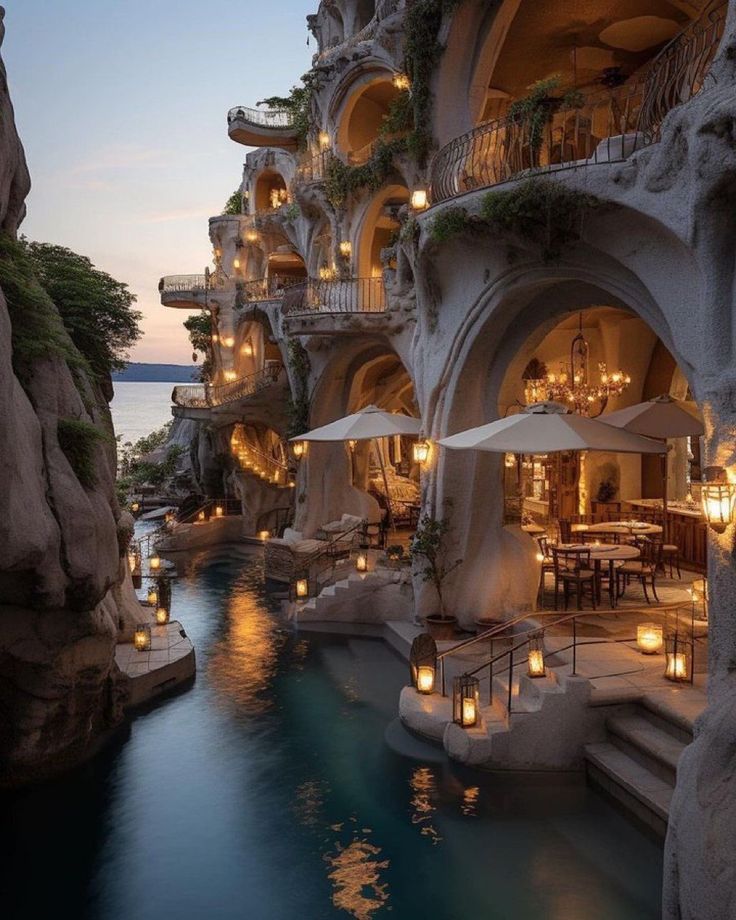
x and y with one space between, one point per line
268 792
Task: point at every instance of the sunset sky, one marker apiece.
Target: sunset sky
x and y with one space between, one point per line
121 106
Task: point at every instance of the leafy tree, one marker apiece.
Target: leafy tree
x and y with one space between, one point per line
97 311
429 546
199 327
234 204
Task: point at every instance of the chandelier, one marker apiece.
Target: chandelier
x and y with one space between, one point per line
574 386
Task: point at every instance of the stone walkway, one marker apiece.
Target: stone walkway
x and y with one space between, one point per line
169 662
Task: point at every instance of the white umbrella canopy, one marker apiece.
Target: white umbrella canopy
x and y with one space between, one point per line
662 417
365 425
547 427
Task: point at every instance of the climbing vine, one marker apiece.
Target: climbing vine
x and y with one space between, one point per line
298 409
534 111
298 104
78 440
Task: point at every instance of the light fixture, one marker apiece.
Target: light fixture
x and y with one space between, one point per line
142 637
162 616
201 516
649 638
699 596
420 451
219 511
425 679
465 700
324 140
351 444
230 376
133 560
215 338
677 661
401 81
283 195
153 597
135 507
509 461
301 588
246 348
299 448
264 535
346 249
717 495
236 264
535 658
251 236
326 273
169 517
154 562
361 562
228 341
419 199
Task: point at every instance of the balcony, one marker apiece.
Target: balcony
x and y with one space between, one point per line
332 307
261 127
203 401
273 288
602 127
190 401
186 291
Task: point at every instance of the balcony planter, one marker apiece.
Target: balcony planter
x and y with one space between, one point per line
441 628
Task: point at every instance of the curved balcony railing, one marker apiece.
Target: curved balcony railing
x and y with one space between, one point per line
602 127
179 284
271 288
255 461
353 295
190 396
261 118
313 168
244 387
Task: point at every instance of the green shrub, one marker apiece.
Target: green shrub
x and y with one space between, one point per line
452 222
234 204
78 439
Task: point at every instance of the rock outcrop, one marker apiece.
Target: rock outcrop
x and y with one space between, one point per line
64 601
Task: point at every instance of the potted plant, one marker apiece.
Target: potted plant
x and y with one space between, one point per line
428 548
395 554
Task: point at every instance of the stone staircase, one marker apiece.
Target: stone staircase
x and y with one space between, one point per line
372 597
637 764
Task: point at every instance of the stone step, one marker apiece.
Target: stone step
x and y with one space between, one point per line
647 743
640 791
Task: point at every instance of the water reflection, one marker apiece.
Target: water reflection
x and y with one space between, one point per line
356 879
423 784
309 801
469 806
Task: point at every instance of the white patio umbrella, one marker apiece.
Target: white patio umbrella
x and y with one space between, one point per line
662 417
368 424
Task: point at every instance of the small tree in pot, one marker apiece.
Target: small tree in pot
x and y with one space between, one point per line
428 548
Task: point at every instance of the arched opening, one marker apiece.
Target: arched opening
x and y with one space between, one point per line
362 117
364 12
285 267
271 191
378 227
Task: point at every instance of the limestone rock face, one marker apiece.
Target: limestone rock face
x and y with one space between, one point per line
63 598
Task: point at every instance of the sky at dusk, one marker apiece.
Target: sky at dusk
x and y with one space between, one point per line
121 107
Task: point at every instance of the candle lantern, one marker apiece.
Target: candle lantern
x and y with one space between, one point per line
649 638
154 562
465 700
162 616
264 534
247 348
230 376
699 597
301 588
401 81
677 659
153 597
423 663
425 679
361 562
219 511
299 448
419 199
135 507
324 140
228 341
251 236
535 657
142 637
420 451
346 249
717 495
201 516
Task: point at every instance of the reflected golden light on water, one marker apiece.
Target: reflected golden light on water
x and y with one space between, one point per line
424 788
469 805
356 879
243 662
308 801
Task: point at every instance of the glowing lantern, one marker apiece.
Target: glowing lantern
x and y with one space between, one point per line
351 444
135 507
132 561
717 495
236 264
228 341
401 81
649 638
361 562
162 616
200 516
154 563
142 637
219 511
535 658
425 679
251 236
509 461
247 348
465 700
301 588
324 140
420 451
264 534
299 448
153 597
169 517
215 338
230 376
346 249
419 199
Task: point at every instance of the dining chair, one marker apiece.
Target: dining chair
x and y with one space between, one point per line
645 569
573 569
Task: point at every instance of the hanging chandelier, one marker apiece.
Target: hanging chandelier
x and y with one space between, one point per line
574 386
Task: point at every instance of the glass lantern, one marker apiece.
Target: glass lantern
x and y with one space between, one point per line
301 588
465 700
649 638
535 656
162 616
717 495
420 451
142 637
678 660
361 562
423 663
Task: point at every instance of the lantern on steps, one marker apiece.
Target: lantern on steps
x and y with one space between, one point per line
678 661
301 588
219 511
425 679
142 637
264 535
423 663
153 597
419 199
135 507
649 638
154 562
361 562
535 657
162 616
201 516
465 700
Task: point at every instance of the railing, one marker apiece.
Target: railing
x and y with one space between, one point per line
259 463
602 127
176 284
225 393
271 288
314 567
190 396
275 521
264 118
313 168
354 295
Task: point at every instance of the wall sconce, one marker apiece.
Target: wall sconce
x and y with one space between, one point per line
324 140
201 516
301 588
215 338
401 81
135 507
142 637
677 661
230 376
251 236
162 616
535 658
346 249
153 597
154 562
264 535
465 700
649 638
299 448
351 444
326 273
361 562
420 451
228 341
419 199
236 264
717 495
246 348
219 511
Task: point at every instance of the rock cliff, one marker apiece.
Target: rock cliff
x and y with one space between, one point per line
64 600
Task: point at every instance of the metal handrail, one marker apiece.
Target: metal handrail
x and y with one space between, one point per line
224 393
263 118
174 284
352 295
336 548
271 288
313 168
190 396
601 127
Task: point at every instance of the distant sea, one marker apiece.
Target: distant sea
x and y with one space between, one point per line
140 408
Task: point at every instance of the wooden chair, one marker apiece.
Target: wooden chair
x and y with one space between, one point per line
565 528
671 550
547 564
645 569
573 570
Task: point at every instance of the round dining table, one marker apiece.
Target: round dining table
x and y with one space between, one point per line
626 528
609 553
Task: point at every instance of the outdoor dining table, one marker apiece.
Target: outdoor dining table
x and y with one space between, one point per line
628 528
605 552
